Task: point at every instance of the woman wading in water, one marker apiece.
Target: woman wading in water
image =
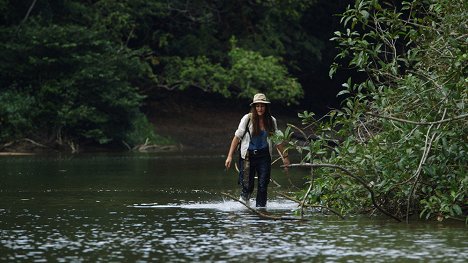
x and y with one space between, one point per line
254 134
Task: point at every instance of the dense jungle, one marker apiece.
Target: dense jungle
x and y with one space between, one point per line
371 95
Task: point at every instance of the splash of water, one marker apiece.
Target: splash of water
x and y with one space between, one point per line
277 205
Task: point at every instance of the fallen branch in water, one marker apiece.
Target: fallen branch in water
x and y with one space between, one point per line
347 172
262 215
313 206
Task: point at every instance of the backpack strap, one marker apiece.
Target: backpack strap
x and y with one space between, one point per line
246 129
240 142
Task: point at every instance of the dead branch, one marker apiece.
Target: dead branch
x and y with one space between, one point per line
15 154
302 203
24 139
427 148
126 145
417 174
299 130
33 142
263 215
29 11
313 206
6 145
347 172
74 147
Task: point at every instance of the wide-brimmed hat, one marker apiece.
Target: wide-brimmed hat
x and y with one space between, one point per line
259 98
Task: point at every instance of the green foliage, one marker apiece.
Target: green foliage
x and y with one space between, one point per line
199 72
248 73
16 114
403 130
143 131
192 47
88 65
82 85
254 72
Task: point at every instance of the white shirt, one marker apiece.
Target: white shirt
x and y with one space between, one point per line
246 140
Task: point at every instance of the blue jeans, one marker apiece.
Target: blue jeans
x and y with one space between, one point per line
255 165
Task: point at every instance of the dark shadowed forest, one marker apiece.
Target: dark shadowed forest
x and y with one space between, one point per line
77 74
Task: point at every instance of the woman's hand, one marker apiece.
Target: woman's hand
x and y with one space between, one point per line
227 164
232 148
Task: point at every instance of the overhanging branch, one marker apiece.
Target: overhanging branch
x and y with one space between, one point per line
418 122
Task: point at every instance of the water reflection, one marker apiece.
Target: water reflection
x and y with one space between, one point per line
140 211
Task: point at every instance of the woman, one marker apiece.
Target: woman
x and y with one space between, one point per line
254 134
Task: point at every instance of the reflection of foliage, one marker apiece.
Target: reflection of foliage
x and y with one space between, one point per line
403 130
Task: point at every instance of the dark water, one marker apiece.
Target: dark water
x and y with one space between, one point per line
157 208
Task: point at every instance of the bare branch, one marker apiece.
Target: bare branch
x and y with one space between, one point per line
263 215
29 11
299 130
417 174
313 206
417 122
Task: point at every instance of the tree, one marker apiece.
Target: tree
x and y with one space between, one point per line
66 83
401 133
56 53
84 67
213 45
248 73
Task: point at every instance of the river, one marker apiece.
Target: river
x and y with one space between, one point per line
129 207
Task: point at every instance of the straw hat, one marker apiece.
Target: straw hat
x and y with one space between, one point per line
259 98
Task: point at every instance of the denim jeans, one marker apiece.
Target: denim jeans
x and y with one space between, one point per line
255 165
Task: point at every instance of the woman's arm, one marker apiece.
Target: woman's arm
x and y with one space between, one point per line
240 133
232 148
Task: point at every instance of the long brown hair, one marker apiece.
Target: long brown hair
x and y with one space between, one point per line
268 121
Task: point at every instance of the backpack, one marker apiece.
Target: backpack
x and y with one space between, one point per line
246 131
239 160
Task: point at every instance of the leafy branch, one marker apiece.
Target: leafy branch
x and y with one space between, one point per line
358 179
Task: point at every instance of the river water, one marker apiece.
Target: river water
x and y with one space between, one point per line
169 208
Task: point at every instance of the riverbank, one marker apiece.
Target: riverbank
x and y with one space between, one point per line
195 121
